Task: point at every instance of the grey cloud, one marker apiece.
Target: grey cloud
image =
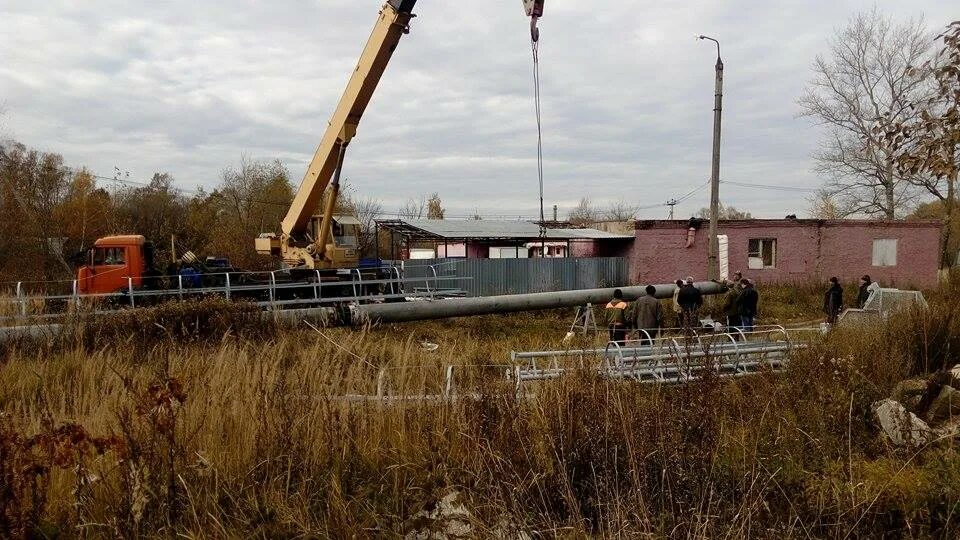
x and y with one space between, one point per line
190 87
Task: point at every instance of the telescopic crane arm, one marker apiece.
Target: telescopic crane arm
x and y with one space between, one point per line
295 245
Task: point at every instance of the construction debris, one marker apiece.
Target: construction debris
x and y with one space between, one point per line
449 519
900 426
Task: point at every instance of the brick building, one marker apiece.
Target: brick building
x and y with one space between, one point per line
482 239
895 253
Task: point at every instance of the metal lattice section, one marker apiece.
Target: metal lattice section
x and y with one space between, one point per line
675 357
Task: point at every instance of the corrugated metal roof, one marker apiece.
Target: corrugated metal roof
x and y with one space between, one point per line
346 219
457 229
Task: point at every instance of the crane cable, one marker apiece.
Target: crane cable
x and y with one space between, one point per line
534 45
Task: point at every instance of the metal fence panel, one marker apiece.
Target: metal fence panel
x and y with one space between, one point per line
490 277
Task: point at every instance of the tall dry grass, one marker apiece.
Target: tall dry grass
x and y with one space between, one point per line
195 420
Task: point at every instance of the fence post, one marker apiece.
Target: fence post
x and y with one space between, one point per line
21 300
133 303
357 292
449 386
517 382
180 286
76 296
227 287
380 380
273 293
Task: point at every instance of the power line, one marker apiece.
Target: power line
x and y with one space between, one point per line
518 217
770 187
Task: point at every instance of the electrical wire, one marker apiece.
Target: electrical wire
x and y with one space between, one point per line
385 214
770 187
535 47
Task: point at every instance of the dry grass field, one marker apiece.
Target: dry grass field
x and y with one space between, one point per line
198 421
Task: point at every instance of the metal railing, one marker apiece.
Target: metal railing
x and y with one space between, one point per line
265 289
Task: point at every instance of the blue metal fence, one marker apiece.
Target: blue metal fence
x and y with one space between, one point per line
490 277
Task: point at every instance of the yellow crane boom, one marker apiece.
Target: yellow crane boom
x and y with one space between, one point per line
306 240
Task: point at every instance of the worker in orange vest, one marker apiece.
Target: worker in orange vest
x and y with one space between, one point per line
616 312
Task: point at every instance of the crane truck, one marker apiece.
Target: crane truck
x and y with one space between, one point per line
312 245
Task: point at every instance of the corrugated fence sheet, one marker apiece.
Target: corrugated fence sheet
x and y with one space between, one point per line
491 277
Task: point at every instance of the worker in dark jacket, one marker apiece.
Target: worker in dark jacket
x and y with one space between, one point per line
731 304
749 300
833 300
690 299
616 313
864 294
649 315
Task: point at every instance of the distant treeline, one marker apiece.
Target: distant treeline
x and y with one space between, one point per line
51 213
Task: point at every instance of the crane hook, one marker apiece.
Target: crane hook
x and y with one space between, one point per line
534 9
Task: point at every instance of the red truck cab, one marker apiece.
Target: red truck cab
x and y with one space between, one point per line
114 263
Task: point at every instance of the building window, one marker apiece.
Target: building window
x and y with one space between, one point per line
761 253
885 252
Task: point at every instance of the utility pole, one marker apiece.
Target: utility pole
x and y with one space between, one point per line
672 203
713 264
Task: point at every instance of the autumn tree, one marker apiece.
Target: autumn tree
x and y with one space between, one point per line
158 211
250 200
823 205
435 207
32 186
928 141
86 212
866 75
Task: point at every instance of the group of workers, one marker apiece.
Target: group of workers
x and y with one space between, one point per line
740 303
646 315
833 298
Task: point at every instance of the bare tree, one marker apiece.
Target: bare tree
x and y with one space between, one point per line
928 144
867 75
725 212
621 211
584 213
367 211
413 208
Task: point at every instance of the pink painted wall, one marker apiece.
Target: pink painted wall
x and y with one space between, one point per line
600 248
806 249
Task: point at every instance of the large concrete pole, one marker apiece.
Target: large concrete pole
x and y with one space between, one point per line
488 305
420 311
713 262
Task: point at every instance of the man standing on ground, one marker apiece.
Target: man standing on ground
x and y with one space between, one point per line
833 301
690 300
649 315
864 294
677 310
731 304
616 312
749 300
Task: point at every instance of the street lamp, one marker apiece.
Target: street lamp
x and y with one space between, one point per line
713 263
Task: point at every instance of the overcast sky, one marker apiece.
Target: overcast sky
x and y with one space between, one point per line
191 87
